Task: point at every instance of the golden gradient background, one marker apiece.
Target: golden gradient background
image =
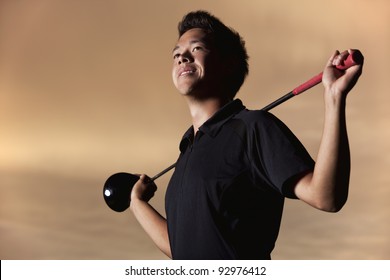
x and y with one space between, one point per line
86 91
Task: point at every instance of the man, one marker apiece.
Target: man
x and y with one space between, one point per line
225 198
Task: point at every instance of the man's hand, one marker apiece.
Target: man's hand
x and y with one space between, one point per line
337 82
144 189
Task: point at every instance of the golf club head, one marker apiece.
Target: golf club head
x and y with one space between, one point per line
117 189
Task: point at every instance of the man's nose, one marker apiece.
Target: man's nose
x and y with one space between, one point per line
185 57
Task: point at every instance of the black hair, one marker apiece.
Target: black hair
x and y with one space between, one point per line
228 43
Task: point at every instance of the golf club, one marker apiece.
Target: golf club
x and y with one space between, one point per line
117 188
354 58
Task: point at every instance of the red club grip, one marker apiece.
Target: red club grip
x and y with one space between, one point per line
354 58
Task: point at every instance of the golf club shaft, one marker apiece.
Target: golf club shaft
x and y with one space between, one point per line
354 58
162 172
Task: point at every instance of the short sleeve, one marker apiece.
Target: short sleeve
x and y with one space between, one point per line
276 154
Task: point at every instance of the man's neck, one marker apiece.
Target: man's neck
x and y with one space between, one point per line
202 110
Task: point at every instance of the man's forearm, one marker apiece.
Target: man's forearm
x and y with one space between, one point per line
326 188
332 170
153 223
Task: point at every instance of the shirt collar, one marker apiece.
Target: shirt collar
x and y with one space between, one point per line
212 126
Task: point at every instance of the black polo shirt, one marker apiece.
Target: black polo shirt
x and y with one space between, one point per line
225 198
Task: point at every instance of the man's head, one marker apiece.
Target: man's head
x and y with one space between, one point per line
222 42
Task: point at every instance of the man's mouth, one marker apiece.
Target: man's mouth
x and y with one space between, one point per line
186 71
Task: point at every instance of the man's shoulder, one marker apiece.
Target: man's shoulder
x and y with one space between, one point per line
248 120
251 117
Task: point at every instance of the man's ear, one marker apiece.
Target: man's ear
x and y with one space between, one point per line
230 65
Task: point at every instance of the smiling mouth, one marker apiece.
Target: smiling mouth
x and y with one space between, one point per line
187 72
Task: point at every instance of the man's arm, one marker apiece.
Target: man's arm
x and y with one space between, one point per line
152 222
326 188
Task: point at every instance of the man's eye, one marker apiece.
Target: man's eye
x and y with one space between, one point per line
175 56
196 48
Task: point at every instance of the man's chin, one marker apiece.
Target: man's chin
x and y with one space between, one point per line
198 96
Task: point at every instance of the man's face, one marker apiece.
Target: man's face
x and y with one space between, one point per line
196 69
